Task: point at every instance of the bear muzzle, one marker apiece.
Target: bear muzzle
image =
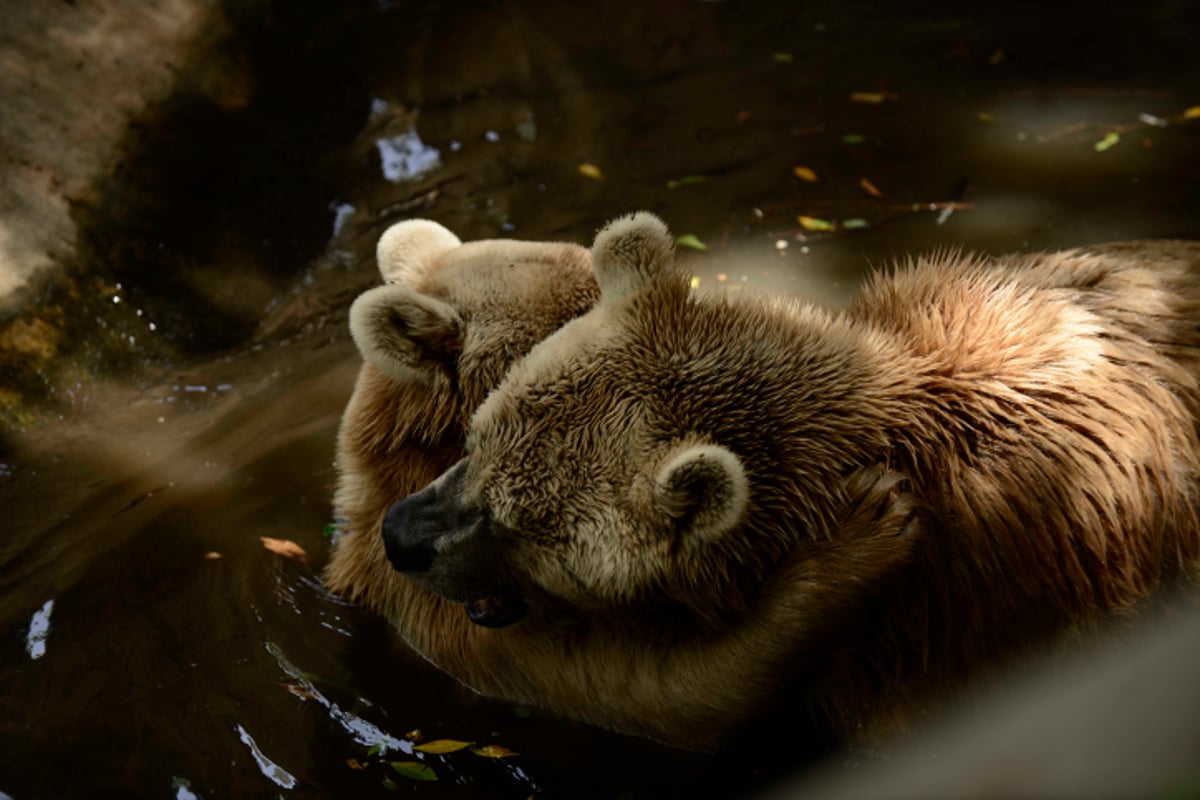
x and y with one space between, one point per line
439 542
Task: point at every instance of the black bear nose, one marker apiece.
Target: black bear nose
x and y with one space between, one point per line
410 530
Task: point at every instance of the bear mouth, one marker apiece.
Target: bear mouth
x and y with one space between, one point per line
497 609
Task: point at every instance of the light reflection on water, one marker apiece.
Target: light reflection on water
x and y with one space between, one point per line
270 770
39 631
404 157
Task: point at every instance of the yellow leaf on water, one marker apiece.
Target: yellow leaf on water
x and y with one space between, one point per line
805 174
299 690
284 547
1192 113
873 97
354 763
442 746
212 555
591 171
493 751
815 224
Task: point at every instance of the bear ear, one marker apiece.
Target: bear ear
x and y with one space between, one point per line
629 253
703 487
407 249
405 334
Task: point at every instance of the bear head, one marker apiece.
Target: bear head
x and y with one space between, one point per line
435 339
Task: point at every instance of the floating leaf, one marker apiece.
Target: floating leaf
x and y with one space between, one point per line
690 240
414 770
442 746
1111 138
686 180
284 547
493 751
212 555
1150 119
388 783
870 188
591 171
414 735
782 58
354 763
805 174
985 116
872 97
376 749
855 223
853 138
815 224
1192 113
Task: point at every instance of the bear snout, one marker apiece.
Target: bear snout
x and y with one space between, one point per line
421 525
410 532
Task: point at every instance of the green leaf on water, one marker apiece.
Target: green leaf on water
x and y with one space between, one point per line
855 222
376 749
692 241
414 770
686 180
388 783
853 138
442 746
1111 138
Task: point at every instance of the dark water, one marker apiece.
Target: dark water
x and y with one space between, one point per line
201 360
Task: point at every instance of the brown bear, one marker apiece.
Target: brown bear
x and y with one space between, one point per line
435 340
656 507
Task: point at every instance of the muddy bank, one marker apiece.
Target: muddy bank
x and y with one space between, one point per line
73 78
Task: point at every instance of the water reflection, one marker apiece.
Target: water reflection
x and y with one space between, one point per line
39 631
404 157
272 771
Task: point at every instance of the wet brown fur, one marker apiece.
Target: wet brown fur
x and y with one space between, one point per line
398 434
1038 411
1043 409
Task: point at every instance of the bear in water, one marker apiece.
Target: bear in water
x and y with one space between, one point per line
659 515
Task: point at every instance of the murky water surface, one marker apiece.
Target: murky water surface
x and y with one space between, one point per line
186 375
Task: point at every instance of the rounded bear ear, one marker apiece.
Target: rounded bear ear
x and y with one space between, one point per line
405 334
407 249
629 253
703 487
